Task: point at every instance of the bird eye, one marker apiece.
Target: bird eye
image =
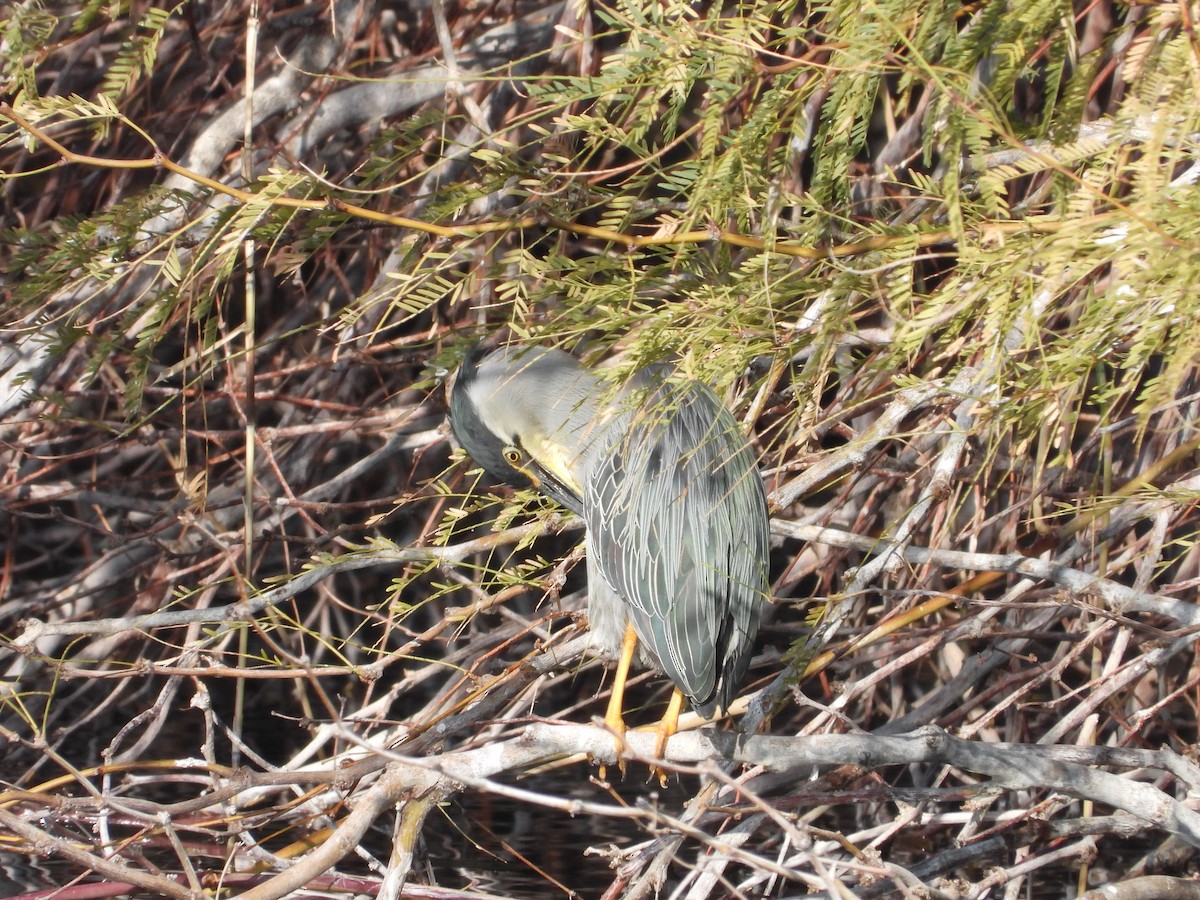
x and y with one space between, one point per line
513 455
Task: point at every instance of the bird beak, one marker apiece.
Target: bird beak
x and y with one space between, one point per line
561 489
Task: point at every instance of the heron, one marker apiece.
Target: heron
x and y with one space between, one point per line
673 503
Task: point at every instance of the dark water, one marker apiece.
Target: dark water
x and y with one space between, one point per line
473 841
525 851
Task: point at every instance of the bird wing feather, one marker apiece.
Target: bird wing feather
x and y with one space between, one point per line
679 517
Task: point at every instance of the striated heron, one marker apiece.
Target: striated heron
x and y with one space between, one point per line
676 516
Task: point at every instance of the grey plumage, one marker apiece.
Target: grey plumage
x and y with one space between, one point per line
669 490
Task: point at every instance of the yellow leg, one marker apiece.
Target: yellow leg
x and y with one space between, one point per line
667 727
669 724
614 718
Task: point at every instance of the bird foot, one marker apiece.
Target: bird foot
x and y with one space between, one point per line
666 728
616 724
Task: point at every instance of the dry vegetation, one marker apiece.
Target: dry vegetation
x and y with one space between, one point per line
265 632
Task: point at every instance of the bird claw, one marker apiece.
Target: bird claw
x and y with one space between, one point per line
663 735
667 727
617 726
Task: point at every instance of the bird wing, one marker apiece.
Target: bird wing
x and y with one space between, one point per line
679 520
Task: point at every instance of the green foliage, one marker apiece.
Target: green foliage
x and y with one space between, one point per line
26 29
701 119
138 54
